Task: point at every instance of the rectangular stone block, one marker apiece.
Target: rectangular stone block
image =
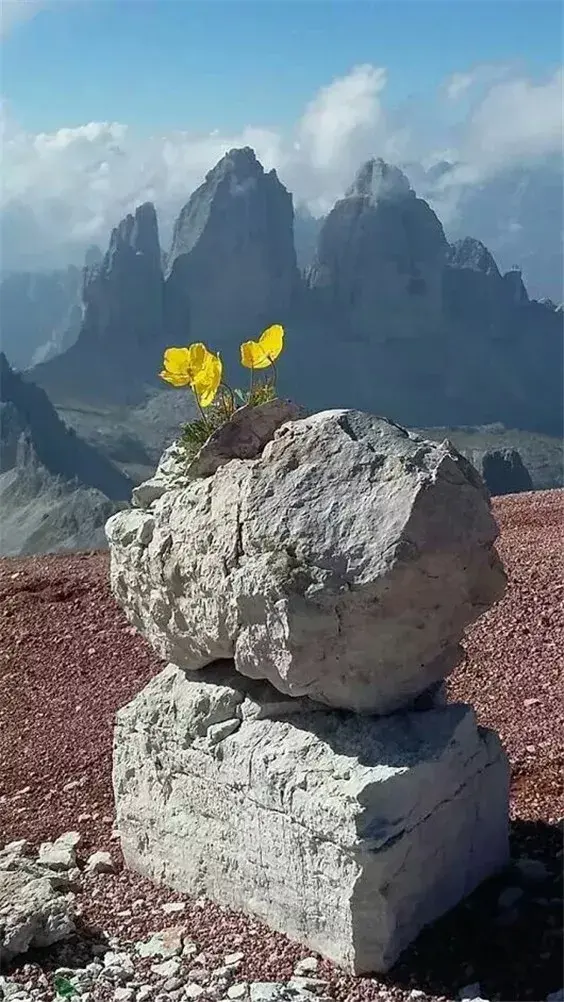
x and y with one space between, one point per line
347 833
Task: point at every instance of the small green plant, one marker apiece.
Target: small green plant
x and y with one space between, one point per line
63 987
202 371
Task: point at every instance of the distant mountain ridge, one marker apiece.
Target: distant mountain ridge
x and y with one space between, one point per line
56 490
389 317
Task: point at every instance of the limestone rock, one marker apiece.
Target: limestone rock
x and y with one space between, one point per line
36 901
60 854
100 862
171 472
346 833
243 437
344 563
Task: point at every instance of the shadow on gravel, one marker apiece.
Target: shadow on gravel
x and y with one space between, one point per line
512 946
76 952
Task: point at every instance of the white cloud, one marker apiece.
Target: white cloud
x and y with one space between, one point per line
517 118
458 84
65 189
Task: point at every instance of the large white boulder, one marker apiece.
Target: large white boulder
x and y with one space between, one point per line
343 562
346 833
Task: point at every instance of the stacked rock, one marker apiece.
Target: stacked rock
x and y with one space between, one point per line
308 580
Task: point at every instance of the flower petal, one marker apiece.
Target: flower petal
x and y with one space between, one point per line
207 379
253 357
174 379
177 360
198 354
272 341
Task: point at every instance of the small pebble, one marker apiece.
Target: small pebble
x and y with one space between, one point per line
308 965
238 991
233 959
167 969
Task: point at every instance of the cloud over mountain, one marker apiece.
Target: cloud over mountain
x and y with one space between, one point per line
65 190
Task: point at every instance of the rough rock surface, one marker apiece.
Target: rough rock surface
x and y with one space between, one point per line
380 257
349 834
232 266
36 896
122 327
344 563
243 437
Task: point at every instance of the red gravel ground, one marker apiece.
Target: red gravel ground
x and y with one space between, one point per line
69 660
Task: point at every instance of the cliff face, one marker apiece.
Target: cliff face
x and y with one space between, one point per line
509 346
378 269
121 337
232 266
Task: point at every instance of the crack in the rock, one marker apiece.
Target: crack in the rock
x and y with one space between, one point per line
361 846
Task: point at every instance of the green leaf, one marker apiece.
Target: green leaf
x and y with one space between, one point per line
64 988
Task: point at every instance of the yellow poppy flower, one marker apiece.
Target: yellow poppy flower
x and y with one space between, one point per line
182 364
262 353
206 381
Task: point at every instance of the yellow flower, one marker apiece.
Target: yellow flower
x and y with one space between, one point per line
207 379
196 367
262 353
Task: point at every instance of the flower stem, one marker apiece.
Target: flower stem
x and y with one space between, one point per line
202 415
224 386
275 373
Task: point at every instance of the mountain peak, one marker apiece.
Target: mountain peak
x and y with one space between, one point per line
379 181
139 232
232 264
473 254
241 163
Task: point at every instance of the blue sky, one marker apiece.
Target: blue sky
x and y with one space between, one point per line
221 64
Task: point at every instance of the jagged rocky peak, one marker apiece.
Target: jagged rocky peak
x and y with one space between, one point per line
237 164
140 233
122 322
515 287
379 181
232 264
473 254
380 256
